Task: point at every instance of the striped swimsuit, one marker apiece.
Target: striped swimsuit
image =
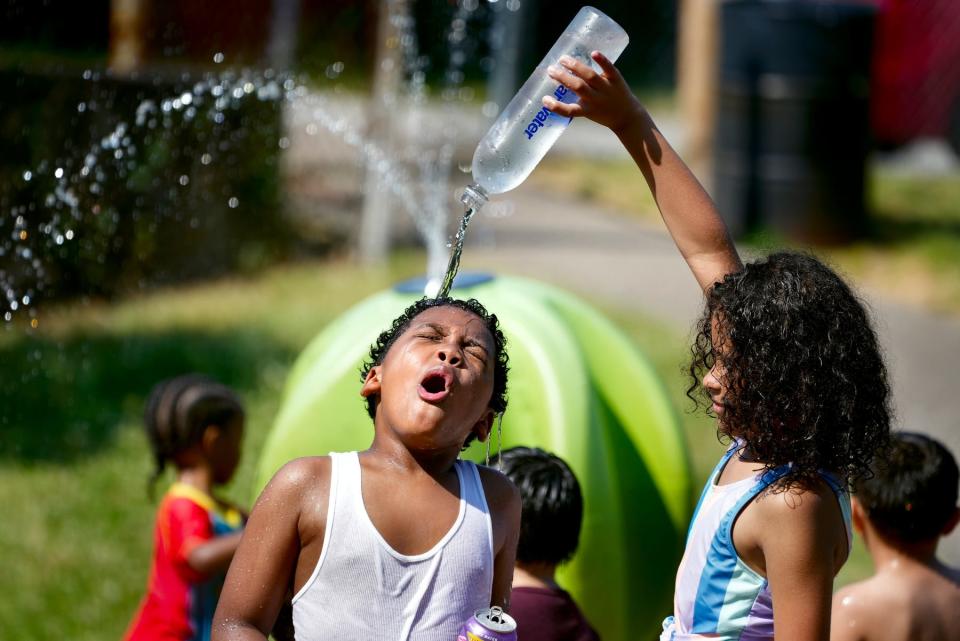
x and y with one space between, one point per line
717 595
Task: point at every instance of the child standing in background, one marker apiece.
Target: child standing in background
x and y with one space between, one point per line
790 366
550 521
901 513
196 425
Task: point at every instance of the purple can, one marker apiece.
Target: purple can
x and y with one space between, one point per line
489 624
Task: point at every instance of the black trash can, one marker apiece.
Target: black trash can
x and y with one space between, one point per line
793 119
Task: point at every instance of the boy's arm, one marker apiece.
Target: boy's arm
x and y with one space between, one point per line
689 213
262 569
800 555
503 500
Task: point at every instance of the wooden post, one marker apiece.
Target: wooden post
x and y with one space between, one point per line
697 70
127 19
378 205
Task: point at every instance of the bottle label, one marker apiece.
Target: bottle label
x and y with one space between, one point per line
539 121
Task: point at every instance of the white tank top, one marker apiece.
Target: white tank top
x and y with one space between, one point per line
362 589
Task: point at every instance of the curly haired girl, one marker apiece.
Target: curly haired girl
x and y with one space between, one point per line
790 367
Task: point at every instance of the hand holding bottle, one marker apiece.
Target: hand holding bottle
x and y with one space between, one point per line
603 97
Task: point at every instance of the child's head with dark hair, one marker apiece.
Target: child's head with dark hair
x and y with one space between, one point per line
416 328
912 495
552 504
791 366
194 414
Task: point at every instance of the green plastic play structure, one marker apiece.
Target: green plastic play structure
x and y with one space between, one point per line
577 388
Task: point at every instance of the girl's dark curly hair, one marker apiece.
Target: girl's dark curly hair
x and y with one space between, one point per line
805 380
378 351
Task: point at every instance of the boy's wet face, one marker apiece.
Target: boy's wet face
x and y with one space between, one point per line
436 381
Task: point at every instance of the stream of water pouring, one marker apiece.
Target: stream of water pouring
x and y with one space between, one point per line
454 265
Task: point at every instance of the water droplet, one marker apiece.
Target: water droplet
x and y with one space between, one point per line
186 98
25 300
69 234
23 234
312 129
513 5
465 167
233 203
14 305
490 109
87 74
81 107
27 175
7 317
248 87
284 143
184 180
218 118
58 173
206 159
58 239
34 323
218 57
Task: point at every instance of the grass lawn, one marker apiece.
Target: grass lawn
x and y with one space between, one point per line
909 254
76 543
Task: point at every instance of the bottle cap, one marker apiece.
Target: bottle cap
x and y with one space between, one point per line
474 196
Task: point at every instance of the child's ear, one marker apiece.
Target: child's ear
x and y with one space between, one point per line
371 384
482 427
858 516
211 433
952 523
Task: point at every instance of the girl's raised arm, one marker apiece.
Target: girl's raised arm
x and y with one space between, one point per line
689 213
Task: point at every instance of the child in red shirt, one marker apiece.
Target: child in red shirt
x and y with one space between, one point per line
550 522
196 425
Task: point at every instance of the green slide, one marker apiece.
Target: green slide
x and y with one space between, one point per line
577 388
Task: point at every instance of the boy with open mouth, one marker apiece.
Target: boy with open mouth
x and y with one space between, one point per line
403 540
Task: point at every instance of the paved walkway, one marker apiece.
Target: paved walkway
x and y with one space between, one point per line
633 265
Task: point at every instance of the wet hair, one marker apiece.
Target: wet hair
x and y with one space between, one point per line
805 380
913 493
552 511
378 351
178 411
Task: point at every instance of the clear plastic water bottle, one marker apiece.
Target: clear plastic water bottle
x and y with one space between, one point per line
525 130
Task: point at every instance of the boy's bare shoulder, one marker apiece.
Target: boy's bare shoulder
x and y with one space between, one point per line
299 479
859 608
500 491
